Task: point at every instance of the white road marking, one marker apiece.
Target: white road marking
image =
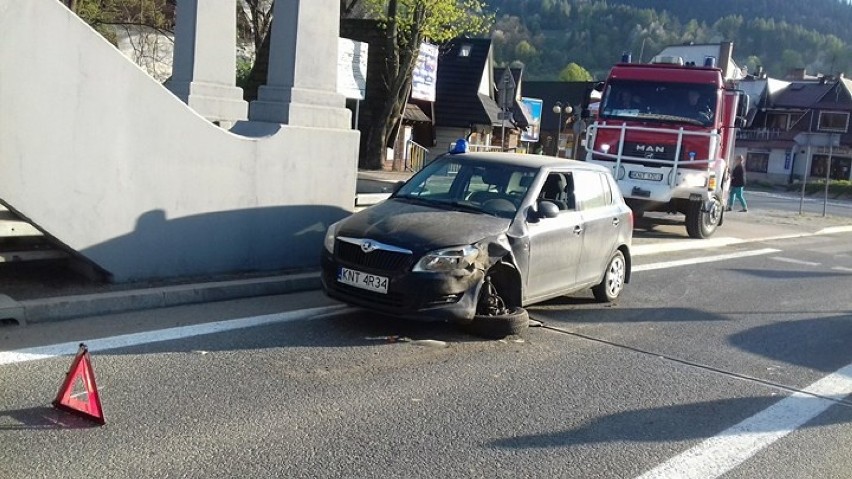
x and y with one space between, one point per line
794 261
834 229
703 259
135 339
731 447
841 268
646 249
658 248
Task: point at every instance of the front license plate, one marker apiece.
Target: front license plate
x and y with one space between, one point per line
641 175
360 279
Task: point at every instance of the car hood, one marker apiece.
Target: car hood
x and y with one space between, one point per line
420 228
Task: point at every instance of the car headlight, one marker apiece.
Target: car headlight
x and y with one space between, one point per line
330 235
448 259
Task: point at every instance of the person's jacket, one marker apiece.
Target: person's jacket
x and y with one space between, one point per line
738 177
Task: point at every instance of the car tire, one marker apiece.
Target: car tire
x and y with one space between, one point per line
612 283
515 322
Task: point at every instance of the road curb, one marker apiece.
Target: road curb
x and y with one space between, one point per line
67 307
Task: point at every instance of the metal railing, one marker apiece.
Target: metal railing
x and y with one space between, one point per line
415 155
713 138
476 148
761 134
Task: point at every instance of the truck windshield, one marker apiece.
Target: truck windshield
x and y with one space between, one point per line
659 101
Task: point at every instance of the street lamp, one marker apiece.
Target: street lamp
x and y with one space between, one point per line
559 109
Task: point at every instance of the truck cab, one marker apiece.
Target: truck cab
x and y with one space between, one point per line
666 130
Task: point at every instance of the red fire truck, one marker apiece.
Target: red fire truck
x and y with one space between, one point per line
667 131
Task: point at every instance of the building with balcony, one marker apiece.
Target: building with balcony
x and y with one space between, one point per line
798 129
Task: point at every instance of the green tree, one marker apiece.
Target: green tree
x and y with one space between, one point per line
105 15
753 64
406 24
574 72
525 51
792 59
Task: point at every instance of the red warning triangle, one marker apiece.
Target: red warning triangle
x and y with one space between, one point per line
79 393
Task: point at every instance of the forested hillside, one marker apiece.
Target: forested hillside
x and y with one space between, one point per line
778 35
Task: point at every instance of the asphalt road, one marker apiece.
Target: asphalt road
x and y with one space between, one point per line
731 359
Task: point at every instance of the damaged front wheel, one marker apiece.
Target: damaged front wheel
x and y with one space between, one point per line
493 319
514 321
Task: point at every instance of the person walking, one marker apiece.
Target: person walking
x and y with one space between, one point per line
738 182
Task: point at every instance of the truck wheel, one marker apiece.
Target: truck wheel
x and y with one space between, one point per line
702 224
612 284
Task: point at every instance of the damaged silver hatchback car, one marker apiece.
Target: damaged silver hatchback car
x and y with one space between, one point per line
475 230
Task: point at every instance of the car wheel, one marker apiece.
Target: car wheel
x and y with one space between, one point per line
498 326
613 281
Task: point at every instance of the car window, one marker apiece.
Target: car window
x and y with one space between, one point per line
589 190
440 181
461 182
480 180
559 189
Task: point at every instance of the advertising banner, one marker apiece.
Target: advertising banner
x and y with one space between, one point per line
533 107
352 68
425 75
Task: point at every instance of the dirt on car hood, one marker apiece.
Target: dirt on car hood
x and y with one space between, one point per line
421 228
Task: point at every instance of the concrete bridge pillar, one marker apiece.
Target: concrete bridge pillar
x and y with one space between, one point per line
204 72
301 86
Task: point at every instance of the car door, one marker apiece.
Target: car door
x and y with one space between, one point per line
601 218
555 243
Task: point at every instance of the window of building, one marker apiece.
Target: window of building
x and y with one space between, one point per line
757 162
840 167
833 121
779 121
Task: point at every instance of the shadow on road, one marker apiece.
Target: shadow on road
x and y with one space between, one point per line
822 344
789 274
664 424
588 311
41 418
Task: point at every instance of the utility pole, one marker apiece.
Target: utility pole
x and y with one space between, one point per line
507 98
827 173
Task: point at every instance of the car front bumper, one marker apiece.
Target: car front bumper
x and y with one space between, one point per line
420 296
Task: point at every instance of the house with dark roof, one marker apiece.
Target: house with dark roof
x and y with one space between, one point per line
797 125
508 85
465 105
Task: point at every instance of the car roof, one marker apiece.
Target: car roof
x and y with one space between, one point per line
534 161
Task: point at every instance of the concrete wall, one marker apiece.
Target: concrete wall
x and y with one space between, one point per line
103 158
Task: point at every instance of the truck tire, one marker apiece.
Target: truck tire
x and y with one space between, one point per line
702 224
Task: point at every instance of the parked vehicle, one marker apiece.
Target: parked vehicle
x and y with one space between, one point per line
478 234
666 131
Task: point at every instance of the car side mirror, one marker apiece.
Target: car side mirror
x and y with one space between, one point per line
397 186
547 209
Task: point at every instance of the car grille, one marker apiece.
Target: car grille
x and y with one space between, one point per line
378 260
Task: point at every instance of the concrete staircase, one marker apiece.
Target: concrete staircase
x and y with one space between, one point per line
21 241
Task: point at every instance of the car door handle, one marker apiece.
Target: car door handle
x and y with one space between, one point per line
578 230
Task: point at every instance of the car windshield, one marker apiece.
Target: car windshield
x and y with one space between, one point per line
660 101
476 186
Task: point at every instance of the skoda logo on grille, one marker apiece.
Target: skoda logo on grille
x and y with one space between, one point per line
367 246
